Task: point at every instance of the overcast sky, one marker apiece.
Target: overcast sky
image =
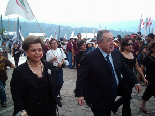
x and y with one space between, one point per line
87 11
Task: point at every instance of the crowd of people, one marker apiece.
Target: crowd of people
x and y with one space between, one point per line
107 67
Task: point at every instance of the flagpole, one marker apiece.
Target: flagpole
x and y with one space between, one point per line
59 33
2 26
40 27
18 29
139 27
36 21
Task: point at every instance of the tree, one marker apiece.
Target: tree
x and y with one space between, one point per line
1 30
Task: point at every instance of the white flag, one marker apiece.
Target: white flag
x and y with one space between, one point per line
20 7
65 36
72 34
55 35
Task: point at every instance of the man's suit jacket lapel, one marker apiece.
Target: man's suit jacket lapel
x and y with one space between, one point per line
100 58
29 76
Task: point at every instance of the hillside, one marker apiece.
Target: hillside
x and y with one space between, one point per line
122 28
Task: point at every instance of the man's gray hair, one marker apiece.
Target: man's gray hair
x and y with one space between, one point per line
100 35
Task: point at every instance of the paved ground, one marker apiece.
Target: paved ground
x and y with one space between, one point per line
69 102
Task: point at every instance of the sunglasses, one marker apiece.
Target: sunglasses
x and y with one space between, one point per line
128 44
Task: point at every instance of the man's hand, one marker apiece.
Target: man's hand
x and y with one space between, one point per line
73 59
81 101
138 88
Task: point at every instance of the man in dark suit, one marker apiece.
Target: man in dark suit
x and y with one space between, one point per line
99 77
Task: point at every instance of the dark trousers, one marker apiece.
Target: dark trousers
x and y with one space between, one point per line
149 91
45 110
2 91
125 91
16 59
59 74
98 111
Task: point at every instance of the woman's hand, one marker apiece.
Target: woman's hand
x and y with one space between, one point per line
55 58
59 64
145 81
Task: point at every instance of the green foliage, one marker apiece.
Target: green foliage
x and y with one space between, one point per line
1 30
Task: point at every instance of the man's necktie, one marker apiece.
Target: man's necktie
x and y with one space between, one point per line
114 83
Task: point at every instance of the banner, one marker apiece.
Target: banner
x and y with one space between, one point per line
20 7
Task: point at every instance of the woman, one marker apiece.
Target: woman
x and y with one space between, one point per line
81 44
33 84
89 46
141 53
16 53
131 61
57 56
149 64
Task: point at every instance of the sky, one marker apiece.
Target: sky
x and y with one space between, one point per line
87 12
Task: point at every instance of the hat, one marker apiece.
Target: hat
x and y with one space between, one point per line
93 39
88 42
1 50
116 39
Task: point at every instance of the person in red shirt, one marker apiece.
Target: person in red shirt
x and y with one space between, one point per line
75 48
69 50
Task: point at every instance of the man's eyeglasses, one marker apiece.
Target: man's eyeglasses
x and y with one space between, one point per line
128 44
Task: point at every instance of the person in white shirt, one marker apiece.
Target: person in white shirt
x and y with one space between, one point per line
57 56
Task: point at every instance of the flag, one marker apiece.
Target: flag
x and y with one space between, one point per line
20 7
148 24
72 34
100 28
139 26
65 36
145 31
55 35
142 23
51 36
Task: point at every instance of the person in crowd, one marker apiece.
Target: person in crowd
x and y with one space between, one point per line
75 48
45 49
16 53
69 52
4 62
131 61
33 83
10 45
89 46
57 57
150 37
135 47
63 46
95 42
81 44
116 46
141 55
5 49
99 78
149 64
